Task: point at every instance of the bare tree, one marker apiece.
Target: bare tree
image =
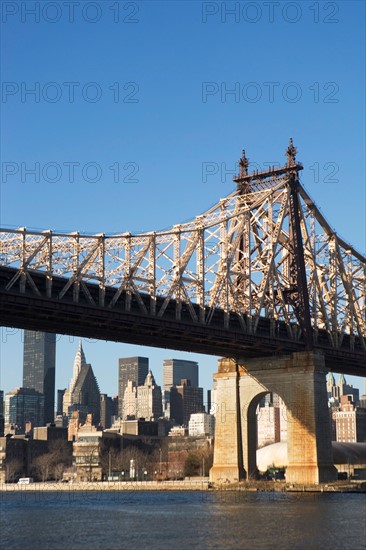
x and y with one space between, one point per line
61 457
119 460
42 466
13 469
51 464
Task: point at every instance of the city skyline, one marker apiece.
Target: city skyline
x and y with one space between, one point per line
66 347
169 124
124 126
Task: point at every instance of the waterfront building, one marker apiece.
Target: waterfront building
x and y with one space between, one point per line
134 369
13 458
140 427
39 367
201 424
24 406
87 452
50 433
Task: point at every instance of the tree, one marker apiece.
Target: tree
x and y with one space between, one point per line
116 459
13 469
198 462
192 465
61 457
42 466
51 464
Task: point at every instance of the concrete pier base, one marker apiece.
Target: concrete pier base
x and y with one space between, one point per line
228 464
299 380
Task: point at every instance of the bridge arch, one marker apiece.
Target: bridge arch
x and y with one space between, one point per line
251 418
299 380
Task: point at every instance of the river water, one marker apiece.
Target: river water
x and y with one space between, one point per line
181 520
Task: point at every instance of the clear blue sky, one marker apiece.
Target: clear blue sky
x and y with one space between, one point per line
146 88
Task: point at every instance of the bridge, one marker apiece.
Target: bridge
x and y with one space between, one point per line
259 275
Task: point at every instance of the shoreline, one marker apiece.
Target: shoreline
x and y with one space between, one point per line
185 485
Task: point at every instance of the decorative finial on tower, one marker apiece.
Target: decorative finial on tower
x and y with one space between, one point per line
291 154
243 165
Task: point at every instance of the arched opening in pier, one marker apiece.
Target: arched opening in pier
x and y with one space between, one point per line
266 426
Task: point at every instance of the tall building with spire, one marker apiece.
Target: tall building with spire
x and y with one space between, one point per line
39 358
78 362
83 392
149 399
143 401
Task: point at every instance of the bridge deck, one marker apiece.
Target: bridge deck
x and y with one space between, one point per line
82 318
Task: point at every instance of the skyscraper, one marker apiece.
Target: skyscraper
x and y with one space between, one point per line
22 406
39 367
175 370
83 393
185 400
134 369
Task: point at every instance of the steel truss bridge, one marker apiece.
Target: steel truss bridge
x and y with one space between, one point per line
260 273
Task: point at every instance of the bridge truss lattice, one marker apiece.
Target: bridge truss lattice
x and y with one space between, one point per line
264 251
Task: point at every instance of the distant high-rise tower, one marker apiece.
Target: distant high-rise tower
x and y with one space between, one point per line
175 370
60 399
106 410
83 393
134 369
24 406
39 367
184 401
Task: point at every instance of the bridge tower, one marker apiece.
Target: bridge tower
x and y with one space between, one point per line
299 379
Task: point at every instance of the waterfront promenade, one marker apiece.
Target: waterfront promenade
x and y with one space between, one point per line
200 484
174 485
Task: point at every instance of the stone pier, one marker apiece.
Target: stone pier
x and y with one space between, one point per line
299 379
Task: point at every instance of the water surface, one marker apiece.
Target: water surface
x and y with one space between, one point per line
181 519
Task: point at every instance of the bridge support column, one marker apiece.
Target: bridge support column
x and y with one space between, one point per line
228 463
299 380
